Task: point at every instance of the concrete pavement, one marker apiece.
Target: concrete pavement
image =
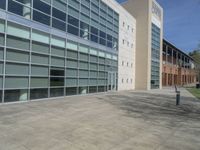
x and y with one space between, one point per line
131 120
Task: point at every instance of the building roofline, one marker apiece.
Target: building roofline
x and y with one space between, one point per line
172 45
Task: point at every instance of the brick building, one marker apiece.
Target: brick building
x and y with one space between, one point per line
178 67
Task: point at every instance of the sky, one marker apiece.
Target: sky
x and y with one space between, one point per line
181 23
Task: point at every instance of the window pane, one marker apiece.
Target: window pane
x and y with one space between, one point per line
1 84
71 82
73 21
73 30
17 56
83 65
57 62
40 47
40 37
83 82
40 17
56 81
2 25
93 66
38 93
43 7
16 82
58 51
84 57
93 82
92 89
17 69
39 59
39 82
59 14
16 95
83 49
72 45
58 42
18 30
72 63
1 67
74 3
71 72
3 4
57 72
73 12
72 54
55 92
2 39
1 52
83 90
39 71
83 73
19 9
71 91
58 24
60 5
18 43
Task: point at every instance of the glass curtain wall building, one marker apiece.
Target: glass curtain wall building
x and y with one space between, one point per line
155 57
51 48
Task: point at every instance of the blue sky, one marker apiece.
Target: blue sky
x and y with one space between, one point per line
182 22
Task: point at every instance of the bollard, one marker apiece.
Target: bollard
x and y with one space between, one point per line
178 98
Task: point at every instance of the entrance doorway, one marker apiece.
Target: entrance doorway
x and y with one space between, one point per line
112 81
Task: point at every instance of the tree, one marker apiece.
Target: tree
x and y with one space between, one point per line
196 56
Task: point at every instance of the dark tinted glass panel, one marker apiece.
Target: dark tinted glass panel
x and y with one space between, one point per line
94 38
109 44
102 34
72 30
56 92
84 26
39 5
92 89
94 30
37 16
84 34
38 93
102 41
15 7
15 95
73 21
58 24
59 14
83 90
2 4
101 88
55 72
109 37
56 81
71 91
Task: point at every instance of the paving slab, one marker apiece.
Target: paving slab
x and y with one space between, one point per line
127 120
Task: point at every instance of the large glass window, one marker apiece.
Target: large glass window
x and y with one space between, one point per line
17 56
19 43
17 69
39 71
16 82
55 92
40 37
19 9
59 14
3 4
38 93
1 67
58 24
2 39
40 17
39 59
40 47
41 6
60 4
38 82
16 95
73 21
